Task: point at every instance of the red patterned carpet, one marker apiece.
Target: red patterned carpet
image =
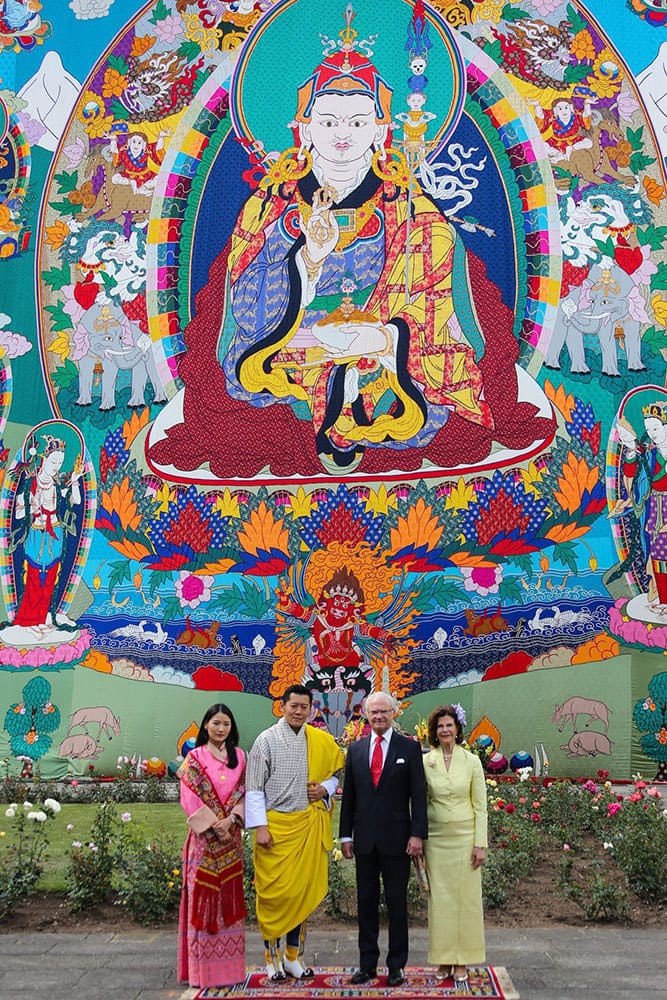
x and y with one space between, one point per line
485 983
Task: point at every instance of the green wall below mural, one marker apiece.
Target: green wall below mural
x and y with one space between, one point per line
532 713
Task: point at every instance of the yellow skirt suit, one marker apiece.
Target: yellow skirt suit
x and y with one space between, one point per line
457 822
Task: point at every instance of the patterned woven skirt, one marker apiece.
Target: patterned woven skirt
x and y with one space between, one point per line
206 959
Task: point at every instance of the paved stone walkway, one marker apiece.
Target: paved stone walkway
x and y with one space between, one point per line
556 963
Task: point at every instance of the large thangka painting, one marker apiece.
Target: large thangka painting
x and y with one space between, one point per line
332 351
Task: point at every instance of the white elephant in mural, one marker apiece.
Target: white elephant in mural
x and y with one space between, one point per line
599 310
114 344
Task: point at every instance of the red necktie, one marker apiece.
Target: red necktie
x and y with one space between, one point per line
376 761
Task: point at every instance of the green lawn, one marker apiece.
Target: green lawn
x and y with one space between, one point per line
164 817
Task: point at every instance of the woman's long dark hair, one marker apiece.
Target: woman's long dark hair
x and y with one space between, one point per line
232 740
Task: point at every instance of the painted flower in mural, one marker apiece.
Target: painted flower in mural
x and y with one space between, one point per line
189 529
546 7
414 539
14 344
114 83
265 543
342 516
379 500
582 46
75 151
30 721
57 234
579 487
654 192
193 589
582 426
118 516
91 114
659 306
169 29
482 580
460 496
228 503
505 519
608 75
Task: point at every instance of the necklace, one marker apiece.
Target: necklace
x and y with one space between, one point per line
220 754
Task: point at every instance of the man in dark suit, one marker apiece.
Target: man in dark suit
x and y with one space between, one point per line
383 823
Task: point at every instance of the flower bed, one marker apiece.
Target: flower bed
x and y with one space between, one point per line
610 852
105 788
602 833
611 847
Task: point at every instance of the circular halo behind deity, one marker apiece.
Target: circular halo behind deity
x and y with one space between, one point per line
262 122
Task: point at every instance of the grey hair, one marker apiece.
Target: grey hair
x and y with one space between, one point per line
385 694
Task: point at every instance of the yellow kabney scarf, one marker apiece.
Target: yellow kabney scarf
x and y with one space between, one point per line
291 878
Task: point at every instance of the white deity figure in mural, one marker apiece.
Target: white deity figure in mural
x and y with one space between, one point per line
644 474
43 511
47 514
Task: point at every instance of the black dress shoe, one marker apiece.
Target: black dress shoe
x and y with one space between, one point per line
396 978
362 976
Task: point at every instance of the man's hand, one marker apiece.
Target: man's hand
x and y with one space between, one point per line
263 837
347 847
415 847
316 791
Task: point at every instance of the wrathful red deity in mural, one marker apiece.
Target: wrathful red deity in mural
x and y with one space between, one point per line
337 618
341 648
345 325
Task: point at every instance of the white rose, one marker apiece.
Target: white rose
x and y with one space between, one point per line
52 805
10 813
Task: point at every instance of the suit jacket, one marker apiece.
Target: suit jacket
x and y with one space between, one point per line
384 818
456 795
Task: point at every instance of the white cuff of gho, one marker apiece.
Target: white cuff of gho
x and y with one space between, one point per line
255 809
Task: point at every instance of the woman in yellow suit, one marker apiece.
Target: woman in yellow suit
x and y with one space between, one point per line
455 849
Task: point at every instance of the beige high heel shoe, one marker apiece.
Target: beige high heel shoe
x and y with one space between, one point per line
461 981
